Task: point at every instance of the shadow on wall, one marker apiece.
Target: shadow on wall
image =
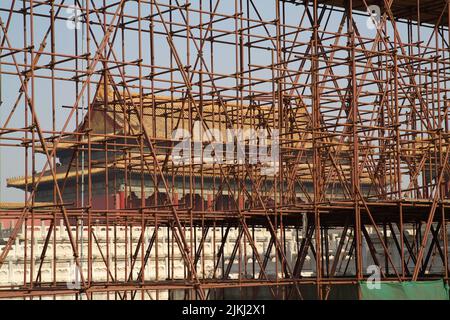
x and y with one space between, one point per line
337 292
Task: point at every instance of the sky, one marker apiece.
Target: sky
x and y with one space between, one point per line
12 160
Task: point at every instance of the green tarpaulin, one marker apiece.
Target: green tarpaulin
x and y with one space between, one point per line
421 290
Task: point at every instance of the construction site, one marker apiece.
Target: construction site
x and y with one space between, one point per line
223 149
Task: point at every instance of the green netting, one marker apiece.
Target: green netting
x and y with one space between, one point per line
421 290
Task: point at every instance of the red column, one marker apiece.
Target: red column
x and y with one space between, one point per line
210 202
175 198
121 199
241 202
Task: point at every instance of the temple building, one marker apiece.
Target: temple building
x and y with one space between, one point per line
116 165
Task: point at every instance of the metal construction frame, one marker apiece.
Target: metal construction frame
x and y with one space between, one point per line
362 115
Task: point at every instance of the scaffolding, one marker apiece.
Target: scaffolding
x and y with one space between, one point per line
354 100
